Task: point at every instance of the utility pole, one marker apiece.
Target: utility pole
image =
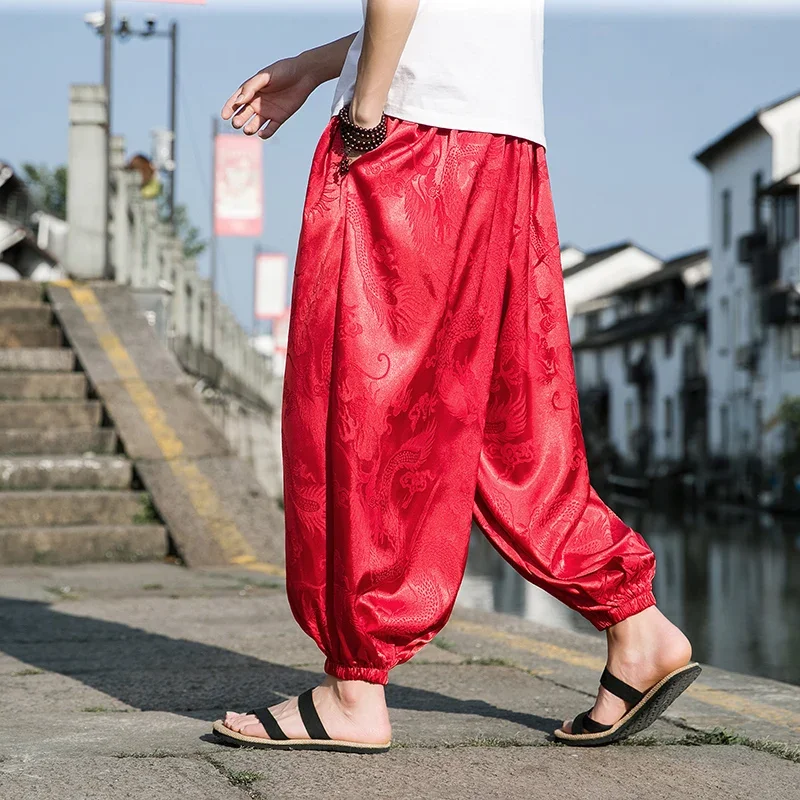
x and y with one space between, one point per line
173 117
213 241
108 42
125 32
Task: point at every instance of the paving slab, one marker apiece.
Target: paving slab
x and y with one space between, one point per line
134 661
523 773
117 778
719 699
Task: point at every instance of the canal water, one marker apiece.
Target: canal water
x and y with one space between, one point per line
731 583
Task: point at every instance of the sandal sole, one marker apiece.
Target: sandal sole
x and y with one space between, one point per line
642 715
231 738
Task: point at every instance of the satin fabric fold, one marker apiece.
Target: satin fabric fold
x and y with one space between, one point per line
430 379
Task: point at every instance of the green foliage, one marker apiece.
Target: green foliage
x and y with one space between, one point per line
788 415
48 187
244 777
193 245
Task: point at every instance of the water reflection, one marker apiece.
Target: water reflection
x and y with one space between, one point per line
733 584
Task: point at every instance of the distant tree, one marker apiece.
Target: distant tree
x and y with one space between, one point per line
193 245
48 187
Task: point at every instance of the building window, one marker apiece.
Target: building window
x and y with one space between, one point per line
592 322
629 419
794 341
626 353
758 181
669 418
758 412
668 345
727 219
787 218
601 367
579 368
737 318
724 327
724 428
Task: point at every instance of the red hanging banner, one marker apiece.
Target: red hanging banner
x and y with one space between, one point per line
238 186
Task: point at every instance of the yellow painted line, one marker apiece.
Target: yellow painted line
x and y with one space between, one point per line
728 701
235 548
542 649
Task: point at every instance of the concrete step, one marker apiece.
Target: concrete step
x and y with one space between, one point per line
29 336
82 544
50 414
20 292
43 386
34 315
39 509
39 359
27 441
64 472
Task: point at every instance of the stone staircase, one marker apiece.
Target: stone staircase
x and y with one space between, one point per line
67 493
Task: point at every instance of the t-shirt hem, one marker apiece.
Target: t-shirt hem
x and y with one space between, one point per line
533 132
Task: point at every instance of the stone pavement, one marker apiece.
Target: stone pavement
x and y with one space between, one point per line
110 676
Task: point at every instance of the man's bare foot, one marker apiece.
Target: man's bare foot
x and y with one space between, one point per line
351 711
642 650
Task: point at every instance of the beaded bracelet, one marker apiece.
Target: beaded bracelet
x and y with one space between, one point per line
357 138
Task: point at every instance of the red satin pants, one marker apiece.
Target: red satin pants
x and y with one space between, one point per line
430 379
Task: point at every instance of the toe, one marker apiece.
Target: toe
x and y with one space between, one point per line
566 726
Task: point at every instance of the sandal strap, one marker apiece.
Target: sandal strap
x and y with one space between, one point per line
271 726
620 688
583 723
308 713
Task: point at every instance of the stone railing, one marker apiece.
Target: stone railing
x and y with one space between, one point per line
146 255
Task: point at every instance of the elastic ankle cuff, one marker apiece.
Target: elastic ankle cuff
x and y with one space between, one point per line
368 674
611 616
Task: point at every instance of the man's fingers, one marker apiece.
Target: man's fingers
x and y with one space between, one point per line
245 94
270 130
255 125
242 115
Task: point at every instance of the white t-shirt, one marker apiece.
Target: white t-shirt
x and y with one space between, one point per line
470 65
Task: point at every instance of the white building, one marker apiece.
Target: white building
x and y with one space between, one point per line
640 365
754 319
590 275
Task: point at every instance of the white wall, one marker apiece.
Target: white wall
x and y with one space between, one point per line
776 153
731 283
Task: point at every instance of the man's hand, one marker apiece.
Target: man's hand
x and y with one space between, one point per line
273 95
263 103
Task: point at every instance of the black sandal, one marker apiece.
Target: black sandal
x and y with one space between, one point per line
646 708
318 738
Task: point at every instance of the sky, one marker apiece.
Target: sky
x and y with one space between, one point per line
632 92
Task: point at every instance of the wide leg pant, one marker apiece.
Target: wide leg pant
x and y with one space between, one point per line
430 379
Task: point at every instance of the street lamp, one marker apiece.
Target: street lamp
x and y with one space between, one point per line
125 31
